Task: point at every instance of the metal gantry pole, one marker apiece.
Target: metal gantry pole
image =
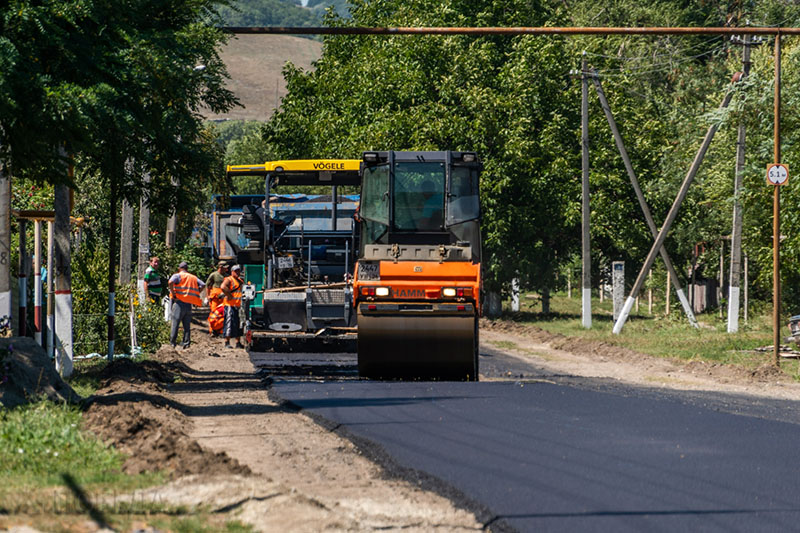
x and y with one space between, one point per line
642 202
586 278
776 220
673 213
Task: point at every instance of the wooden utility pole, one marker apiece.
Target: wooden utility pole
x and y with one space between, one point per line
126 242
612 124
586 302
671 216
5 243
63 282
144 238
736 233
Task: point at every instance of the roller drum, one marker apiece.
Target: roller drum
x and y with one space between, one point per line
405 344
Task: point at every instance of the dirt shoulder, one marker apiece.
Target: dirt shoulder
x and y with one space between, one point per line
204 414
592 359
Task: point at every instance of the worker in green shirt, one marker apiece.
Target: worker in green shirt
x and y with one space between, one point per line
152 280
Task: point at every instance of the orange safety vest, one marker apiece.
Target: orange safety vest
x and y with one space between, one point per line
236 291
215 296
216 319
187 289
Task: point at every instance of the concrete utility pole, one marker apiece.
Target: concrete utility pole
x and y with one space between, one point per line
126 242
648 216
51 317
112 260
22 278
37 280
736 233
172 223
671 216
63 282
144 238
586 302
5 243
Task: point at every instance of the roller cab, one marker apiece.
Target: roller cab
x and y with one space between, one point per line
417 283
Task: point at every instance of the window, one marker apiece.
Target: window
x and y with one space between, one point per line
462 202
375 195
419 196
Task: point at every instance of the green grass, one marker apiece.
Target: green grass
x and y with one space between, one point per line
41 441
660 335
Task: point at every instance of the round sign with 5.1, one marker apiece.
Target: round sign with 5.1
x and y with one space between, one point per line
777 174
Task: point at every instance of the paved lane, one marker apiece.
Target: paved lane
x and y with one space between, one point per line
543 456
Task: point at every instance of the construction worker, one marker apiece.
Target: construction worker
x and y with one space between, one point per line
152 280
232 301
214 295
184 291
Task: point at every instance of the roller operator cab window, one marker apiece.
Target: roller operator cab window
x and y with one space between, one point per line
375 202
462 202
419 196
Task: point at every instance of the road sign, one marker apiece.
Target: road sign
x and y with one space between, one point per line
777 174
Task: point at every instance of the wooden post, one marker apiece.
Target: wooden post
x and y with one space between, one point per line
144 239
23 279
5 244
37 280
126 242
63 282
586 278
667 296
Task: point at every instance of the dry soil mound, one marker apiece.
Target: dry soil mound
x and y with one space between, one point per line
134 411
29 374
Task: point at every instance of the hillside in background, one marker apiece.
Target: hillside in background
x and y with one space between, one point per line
254 63
279 12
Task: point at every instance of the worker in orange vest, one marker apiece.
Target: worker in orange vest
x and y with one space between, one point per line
184 292
215 295
231 303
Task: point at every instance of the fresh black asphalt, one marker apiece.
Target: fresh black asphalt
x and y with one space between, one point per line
558 453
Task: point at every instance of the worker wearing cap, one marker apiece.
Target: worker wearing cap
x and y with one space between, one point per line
184 291
232 302
214 295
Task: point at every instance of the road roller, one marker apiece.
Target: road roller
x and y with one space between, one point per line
417 281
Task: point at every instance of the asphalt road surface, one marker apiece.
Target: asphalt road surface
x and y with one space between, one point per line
539 452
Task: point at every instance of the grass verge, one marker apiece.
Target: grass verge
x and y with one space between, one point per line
57 476
658 334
